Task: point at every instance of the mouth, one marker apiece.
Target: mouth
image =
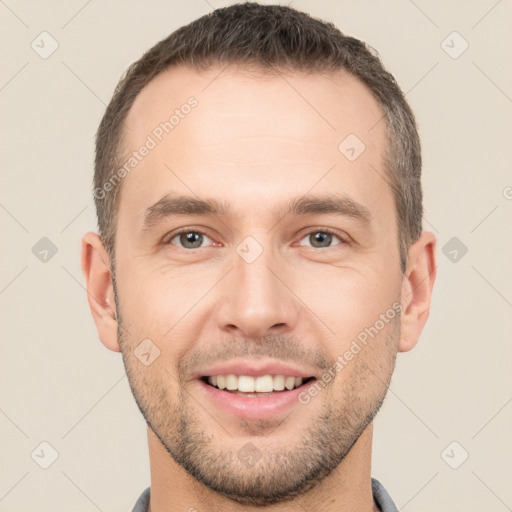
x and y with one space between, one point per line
254 397
255 386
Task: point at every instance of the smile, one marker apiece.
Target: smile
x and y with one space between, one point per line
253 390
247 385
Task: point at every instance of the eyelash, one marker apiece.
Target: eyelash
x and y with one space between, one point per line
172 236
343 241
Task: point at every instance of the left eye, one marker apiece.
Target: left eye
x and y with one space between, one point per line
189 239
320 239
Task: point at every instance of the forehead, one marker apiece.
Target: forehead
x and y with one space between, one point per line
230 129
327 102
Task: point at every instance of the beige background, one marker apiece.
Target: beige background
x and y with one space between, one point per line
60 385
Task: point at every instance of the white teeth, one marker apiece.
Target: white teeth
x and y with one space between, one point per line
248 384
213 380
221 381
279 382
231 382
289 382
264 384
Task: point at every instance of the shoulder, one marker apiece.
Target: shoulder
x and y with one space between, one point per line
382 498
142 502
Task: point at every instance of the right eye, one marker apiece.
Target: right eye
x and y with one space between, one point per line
188 239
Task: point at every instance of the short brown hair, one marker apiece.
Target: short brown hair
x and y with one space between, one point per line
271 37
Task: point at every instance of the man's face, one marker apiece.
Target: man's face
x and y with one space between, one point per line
258 289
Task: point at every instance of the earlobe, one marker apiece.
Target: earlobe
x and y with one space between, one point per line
417 288
100 289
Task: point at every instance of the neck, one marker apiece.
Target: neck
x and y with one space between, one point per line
348 487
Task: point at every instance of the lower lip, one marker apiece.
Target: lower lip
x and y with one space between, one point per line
256 407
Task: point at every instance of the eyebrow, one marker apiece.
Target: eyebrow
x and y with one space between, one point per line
171 205
331 204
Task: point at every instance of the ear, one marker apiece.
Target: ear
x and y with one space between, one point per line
417 287
100 289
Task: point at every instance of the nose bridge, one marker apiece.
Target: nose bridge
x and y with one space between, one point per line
256 285
256 300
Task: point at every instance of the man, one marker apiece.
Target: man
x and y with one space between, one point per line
261 259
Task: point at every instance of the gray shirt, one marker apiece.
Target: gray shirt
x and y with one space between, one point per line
380 496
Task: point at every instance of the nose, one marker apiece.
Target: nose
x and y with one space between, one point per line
257 301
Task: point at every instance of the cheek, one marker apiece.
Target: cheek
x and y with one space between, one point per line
366 362
348 301
163 306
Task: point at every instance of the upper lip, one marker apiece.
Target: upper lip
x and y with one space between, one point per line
254 368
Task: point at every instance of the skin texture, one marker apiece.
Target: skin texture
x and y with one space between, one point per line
256 142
